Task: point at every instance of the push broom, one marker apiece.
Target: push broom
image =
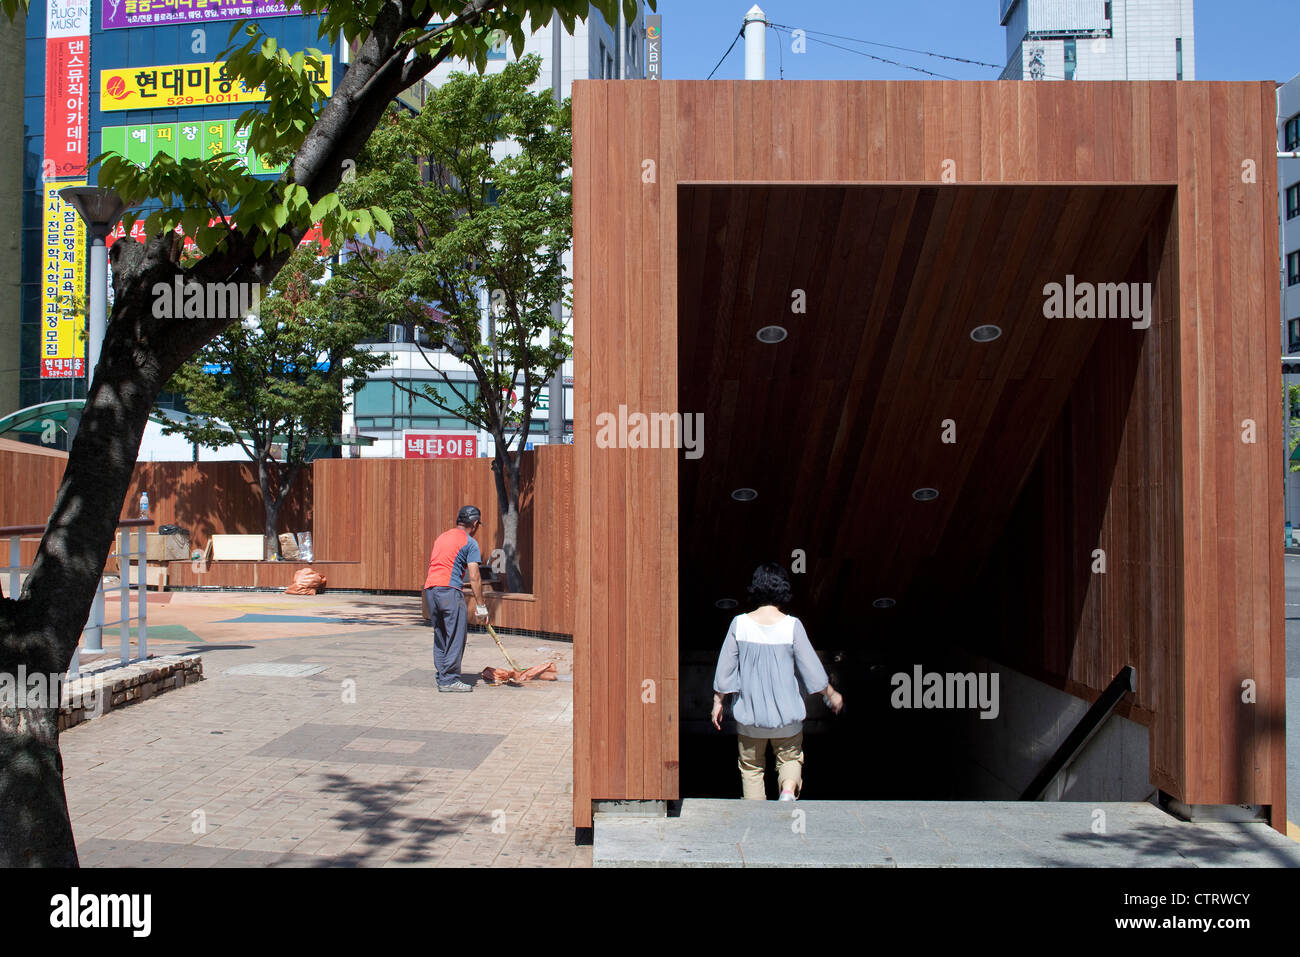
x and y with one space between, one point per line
517 675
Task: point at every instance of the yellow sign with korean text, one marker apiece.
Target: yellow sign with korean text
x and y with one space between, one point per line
63 286
187 84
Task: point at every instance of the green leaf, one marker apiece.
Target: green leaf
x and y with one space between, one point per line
324 205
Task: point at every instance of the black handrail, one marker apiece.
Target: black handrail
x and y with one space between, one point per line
1123 682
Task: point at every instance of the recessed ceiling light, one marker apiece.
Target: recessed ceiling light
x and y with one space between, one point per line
986 333
925 494
744 495
771 334
883 603
726 604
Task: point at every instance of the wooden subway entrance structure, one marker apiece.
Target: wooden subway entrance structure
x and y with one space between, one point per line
879 224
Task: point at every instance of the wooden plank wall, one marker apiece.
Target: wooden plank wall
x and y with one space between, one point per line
213 498
634 142
29 479
205 498
373 521
1109 479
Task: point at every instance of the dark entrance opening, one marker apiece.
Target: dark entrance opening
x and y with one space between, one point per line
1050 441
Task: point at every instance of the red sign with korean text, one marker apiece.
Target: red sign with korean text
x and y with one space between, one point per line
435 445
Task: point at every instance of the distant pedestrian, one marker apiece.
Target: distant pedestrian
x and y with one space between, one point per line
768 663
455 558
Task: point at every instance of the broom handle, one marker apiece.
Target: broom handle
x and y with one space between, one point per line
492 632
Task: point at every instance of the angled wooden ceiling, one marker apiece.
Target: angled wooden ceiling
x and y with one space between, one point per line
837 426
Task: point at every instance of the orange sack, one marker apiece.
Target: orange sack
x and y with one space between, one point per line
307 581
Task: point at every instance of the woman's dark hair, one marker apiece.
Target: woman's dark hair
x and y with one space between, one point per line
771 586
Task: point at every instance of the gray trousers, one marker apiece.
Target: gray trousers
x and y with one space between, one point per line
450 622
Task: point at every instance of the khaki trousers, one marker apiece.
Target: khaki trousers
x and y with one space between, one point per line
753 761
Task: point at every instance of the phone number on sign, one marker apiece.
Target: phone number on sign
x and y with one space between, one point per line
199 100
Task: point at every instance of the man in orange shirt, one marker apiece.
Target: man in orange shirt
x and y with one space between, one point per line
455 558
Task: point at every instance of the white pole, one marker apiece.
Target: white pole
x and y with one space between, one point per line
98 302
756 44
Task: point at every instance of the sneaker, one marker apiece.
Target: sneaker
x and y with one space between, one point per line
787 796
457 685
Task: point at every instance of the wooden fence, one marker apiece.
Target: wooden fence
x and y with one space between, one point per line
373 521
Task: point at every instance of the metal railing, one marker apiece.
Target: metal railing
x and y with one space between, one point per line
93 633
1124 682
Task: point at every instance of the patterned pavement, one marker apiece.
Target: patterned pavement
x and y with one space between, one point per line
360 764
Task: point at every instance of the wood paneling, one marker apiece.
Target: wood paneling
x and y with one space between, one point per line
214 498
859 393
373 521
643 154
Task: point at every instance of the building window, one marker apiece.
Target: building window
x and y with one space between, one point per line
1293 269
1293 201
1292 134
1071 58
1293 335
1178 53
1108 10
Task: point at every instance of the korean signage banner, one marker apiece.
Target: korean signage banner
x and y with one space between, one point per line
67 87
153 13
654 43
197 140
185 84
63 277
440 445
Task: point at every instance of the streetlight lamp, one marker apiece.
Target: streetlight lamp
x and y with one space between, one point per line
101 207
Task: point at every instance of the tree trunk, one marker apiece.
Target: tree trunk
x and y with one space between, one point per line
271 525
41 628
505 471
34 827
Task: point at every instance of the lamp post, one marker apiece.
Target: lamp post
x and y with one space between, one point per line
100 208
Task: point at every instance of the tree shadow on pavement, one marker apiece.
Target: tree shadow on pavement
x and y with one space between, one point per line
373 812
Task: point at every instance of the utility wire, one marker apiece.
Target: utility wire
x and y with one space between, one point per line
890 46
724 56
872 56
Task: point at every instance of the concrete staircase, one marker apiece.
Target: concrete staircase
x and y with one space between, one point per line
725 833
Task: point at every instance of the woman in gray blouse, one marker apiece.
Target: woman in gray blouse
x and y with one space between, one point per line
768 663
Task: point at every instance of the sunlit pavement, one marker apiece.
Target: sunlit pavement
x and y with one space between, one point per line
341 753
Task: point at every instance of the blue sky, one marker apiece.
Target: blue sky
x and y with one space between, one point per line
1235 39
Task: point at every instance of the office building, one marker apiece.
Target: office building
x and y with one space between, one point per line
1288 185
133 77
1098 40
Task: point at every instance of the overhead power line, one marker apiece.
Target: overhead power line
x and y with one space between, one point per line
890 46
871 56
725 55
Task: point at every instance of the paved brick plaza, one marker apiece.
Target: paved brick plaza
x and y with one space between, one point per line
247 770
